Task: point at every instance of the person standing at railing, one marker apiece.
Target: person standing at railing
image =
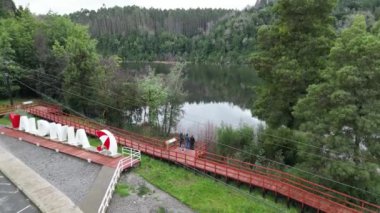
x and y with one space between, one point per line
192 142
181 140
187 140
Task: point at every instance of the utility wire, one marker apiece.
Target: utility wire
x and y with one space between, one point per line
295 168
139 101
290 148
92 88
79 96
258 156
56 102
279 139
194 169
123 111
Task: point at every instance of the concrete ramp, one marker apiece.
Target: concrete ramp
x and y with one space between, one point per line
44 195
94 197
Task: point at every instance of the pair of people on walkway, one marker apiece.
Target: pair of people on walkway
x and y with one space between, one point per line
186 141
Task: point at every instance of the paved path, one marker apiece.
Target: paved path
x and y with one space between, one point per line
94 197
74 177
45 196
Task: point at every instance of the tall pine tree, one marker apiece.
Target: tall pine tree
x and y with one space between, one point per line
291 53
343 112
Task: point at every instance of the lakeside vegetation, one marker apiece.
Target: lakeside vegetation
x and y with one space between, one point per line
4 120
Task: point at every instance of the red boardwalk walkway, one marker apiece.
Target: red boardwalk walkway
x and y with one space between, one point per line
306 192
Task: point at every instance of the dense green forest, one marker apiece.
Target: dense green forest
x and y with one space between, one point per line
198 35
146 34
139 34
319 61
52 57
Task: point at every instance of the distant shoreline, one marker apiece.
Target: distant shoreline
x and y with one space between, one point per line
154 62
165 62
186 62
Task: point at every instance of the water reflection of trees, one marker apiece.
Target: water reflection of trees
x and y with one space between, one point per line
211 83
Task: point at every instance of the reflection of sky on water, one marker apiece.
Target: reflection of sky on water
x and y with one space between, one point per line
196 116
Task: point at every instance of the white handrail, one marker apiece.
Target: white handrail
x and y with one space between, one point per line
134 155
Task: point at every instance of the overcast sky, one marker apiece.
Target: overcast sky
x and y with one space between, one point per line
68 6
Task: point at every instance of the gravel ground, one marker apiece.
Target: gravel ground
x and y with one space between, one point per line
55 167
154 201
72 176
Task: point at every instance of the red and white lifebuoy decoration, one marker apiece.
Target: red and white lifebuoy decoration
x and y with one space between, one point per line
108 141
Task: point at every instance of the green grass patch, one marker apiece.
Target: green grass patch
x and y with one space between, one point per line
94 141
120 149
203 194
4 120
161 210
123 190
143 190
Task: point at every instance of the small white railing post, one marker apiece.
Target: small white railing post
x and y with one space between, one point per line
131 154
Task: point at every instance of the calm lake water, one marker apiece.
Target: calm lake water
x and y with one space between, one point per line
217 95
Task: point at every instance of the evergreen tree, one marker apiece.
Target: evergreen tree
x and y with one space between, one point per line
343 112
79 51
291 53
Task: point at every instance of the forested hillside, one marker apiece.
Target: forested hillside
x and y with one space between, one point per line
147 34
7 7
152 34
130 20
199 35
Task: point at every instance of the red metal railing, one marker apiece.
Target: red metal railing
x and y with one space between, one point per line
4 109
86 122
337 196
304 191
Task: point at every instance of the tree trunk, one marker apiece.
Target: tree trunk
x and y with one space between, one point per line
165 118
170 119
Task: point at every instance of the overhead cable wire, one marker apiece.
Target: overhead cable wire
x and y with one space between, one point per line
196 170
261 157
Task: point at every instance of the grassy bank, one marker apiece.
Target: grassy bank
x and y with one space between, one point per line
4 120
202 193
